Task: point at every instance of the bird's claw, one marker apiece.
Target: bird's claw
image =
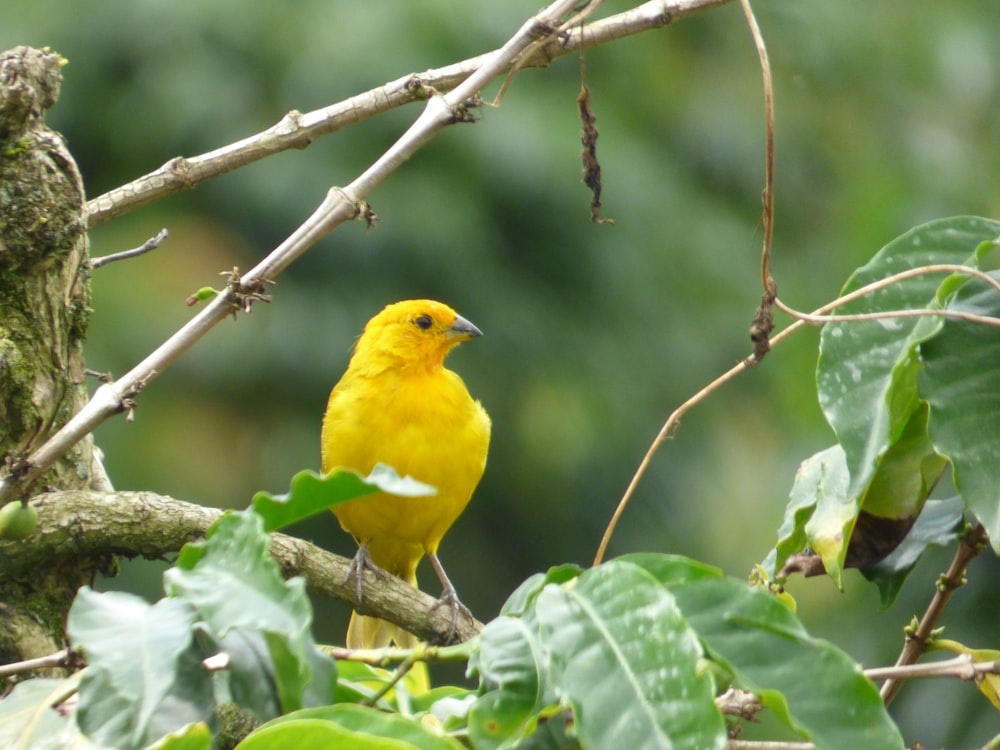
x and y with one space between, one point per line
361 562
449 599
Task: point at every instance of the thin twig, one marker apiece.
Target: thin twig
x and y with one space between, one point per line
963 666
916 642
674 419
52 661
767 196
340 205
384 657
297 130
821 318
922 312
398 674
151 244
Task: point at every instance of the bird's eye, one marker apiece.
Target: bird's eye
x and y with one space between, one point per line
423 322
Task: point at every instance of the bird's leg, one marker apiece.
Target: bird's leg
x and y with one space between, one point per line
361 562
448 596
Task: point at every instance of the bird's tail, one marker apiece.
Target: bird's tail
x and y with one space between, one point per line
370 632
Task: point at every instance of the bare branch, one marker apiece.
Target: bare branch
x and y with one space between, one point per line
297 130
52 661
151 244
916 641
963 666
339 205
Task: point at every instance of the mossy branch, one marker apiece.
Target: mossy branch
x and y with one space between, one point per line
97 526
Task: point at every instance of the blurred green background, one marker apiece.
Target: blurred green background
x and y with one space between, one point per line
887 116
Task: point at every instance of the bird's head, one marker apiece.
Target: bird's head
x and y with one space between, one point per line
413 333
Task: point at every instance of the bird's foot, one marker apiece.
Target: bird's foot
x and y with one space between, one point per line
450 600
361 562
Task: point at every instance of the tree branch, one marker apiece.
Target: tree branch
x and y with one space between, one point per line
297 130
339 205
916 642
85 524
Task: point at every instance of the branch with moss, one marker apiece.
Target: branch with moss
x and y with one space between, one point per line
81 525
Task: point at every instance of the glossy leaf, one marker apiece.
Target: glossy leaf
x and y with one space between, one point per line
145 677
866 375
961 382
769 652
311 493
622 656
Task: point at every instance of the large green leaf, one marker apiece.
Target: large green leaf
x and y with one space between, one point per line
611 646
145 677
623 657
961 382
233 583
867 379
311 493
866 375
770 653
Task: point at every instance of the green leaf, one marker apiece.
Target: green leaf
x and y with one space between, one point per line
145 677
232 582
961 382
524 595
610 645
316 734
623 657
820 484
512 667
249 677
866 375
672 570
769 652
940 523
191 737
28 721
346 726
311 493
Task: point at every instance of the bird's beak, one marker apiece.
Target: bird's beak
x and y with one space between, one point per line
462 329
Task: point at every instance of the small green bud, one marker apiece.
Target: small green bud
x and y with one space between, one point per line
17 520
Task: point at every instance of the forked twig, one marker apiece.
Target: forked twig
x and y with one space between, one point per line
340 205
971 545
819 315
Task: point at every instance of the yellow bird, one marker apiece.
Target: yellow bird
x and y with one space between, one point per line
397 404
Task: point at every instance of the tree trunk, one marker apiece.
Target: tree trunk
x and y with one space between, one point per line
44 309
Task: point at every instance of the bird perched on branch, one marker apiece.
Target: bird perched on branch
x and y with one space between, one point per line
397 404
